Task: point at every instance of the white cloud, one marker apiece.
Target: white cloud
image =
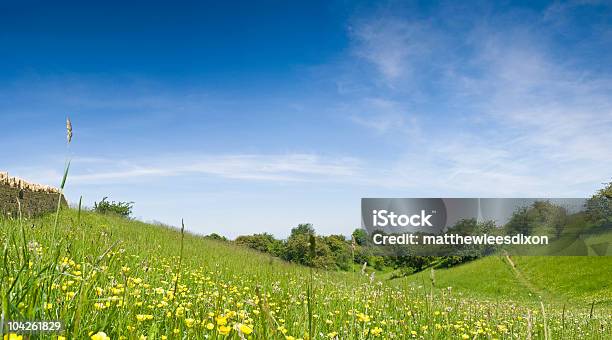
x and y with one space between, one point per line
383 116
527 123
391 44
281 168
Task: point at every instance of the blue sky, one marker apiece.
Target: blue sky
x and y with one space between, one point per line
255 117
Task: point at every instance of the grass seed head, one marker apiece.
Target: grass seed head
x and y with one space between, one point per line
68 130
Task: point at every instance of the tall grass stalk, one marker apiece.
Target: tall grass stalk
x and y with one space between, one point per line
310 293
178 271
59 200
544 320
353 246
79 211
529 324
66 169
563 321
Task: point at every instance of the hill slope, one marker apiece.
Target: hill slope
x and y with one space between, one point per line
574 281
128 279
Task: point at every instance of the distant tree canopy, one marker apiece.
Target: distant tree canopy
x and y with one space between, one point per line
123 209
336 252
599 207
330 252
303 229
360 236
542 218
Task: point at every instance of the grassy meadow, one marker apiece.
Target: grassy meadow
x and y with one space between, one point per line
108 277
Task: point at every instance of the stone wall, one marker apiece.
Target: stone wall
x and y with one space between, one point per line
35 199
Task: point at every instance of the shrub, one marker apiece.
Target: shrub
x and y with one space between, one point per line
123 209
263 242
216 237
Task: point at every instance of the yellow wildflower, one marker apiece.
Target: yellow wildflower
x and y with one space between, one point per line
224 330
363 318
221 321
143 317
13 336
245 329
100 336
376 331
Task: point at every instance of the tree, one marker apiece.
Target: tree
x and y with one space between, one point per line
360 236
599 206
519 222
303 229
548 219
340 251
468 252
542 218
298 248
465 227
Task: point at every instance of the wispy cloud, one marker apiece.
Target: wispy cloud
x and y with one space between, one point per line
392 44
280 168
526 120
383 116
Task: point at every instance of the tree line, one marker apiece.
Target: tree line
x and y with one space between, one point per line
338 252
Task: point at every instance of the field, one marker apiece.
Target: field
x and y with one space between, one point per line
574 281
107 277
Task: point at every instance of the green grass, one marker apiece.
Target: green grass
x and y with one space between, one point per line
573 281
486 279
107 274
577 281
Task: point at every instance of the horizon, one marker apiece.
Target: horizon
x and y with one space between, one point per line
214 114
